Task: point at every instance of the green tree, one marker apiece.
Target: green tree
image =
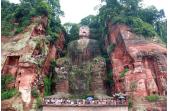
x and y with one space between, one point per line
56 7
88 20
149 14
92 22
130 12
22 13
7 17
161 29
72 30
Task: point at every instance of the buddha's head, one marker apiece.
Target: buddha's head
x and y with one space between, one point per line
84 32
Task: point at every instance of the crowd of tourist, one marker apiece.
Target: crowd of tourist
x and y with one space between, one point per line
65 101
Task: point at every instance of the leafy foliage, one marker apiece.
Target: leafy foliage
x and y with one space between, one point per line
34 92
110 78
17 16
130 103
8 94
122 74
47 86
38 101
5 80
7 12
92 22
72 30
143 21
137 24
152 98
161 29
110 48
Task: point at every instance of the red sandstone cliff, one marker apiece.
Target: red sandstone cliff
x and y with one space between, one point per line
145 61
27 55
54 53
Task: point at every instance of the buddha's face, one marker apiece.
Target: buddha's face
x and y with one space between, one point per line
84 31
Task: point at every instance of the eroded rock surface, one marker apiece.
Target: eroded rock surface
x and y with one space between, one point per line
145 61
80 79
27 56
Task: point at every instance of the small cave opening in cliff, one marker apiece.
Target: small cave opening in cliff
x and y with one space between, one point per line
19 74
153 92
120 80
126 66
12 60
11 65
37 51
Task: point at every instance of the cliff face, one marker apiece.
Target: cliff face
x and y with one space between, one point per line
139 66
54 53
86 78
27 56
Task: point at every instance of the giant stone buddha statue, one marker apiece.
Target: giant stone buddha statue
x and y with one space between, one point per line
84 49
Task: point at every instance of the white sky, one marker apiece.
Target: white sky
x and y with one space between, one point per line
75 10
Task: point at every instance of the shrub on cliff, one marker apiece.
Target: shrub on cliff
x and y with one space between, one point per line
34 92
137 25
38 102
111 48
8 94
5 80
47 86
122 74
130 103
152 98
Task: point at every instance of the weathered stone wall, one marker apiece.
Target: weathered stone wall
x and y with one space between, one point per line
27 56
93 108
82 79
145 61
60 77
53 53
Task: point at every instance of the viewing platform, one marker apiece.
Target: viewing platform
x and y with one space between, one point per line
55 104
83 102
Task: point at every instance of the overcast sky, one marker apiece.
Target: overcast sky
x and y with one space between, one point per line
75 10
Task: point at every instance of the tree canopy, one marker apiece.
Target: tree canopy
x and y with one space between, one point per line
144 21
72 30
22 13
